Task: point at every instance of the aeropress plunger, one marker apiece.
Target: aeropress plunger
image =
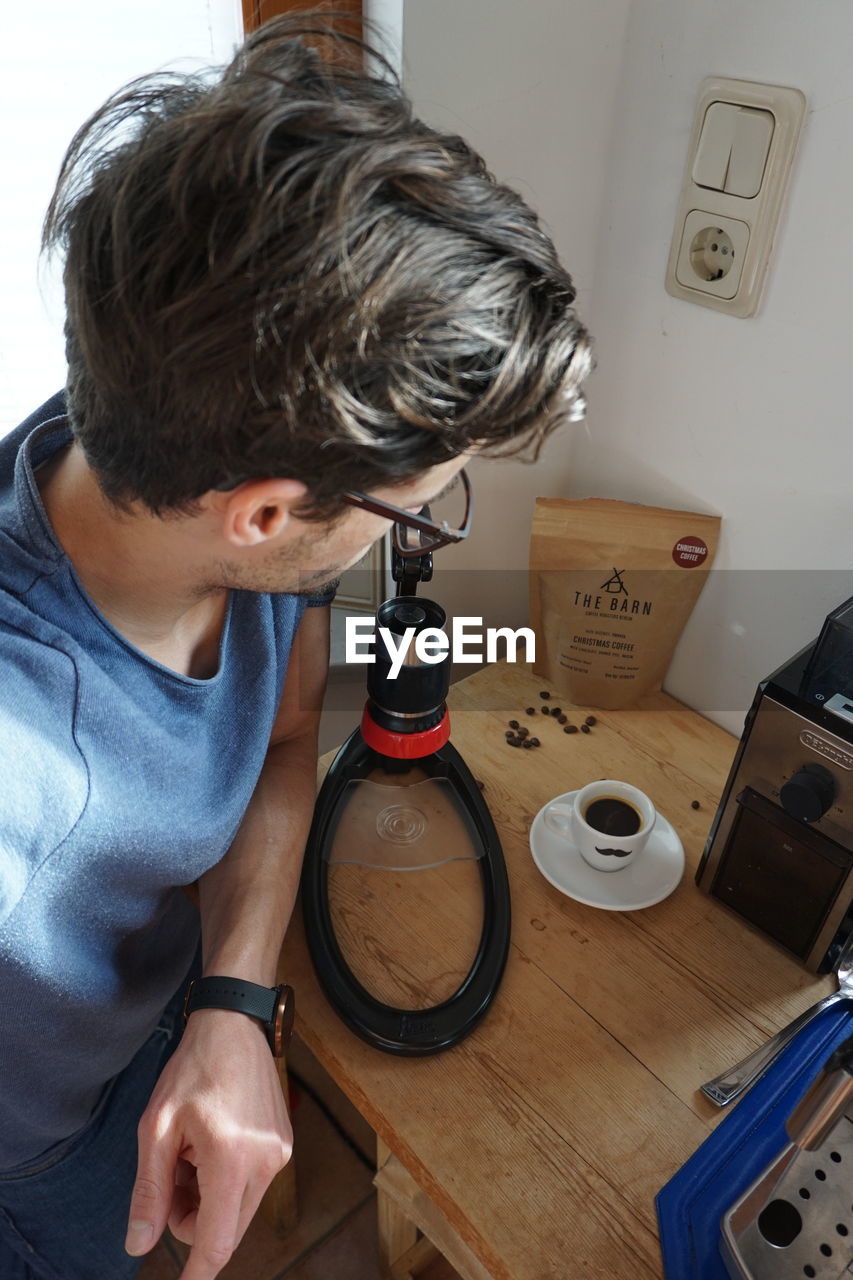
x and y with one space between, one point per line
399 795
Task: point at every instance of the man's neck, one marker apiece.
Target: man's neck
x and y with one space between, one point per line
143 573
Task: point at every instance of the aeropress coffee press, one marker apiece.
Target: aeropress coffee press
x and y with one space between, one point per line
398 795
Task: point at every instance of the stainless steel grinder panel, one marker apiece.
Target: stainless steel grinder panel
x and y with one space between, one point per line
798 1226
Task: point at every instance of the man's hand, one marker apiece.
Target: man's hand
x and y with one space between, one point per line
213 1136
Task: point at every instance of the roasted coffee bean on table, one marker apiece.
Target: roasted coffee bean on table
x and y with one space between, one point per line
584 728
544 693
570 728
546 711
694 804
513 724
534 742
531 711
556 711
590 720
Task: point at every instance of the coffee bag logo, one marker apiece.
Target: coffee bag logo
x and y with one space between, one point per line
690 552
620 599
615 585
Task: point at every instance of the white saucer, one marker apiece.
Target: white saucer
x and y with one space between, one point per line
650 879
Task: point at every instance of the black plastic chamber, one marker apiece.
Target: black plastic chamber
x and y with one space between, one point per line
403 713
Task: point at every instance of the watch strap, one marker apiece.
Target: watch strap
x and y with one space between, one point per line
233 993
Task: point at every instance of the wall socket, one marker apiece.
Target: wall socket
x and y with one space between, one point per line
738 164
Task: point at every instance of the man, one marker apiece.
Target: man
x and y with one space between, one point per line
283 293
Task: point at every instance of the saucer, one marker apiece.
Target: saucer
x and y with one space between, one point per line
649 879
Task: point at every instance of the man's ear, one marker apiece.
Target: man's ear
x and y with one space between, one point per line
260 510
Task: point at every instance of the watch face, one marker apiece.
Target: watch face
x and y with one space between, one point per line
283 1021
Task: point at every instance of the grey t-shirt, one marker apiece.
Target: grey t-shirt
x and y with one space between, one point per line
120 780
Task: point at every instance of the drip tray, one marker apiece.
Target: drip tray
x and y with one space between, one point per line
796 1221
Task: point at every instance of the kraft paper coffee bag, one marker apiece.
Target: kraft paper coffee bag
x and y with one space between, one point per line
612 585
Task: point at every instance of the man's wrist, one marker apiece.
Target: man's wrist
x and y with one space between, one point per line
271 1007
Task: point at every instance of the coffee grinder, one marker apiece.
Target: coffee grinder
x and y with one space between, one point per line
780 849
399 795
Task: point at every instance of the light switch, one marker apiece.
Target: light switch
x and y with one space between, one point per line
750 148
715 145
733 149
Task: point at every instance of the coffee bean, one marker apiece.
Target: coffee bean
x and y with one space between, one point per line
526 744
556 711
514 742
543 693
534 742
570 728
509 734
523 731
563 718
590 720
513 724
546 711
694 804
584 728
531 711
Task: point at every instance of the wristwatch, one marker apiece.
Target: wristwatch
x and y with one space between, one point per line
272 1006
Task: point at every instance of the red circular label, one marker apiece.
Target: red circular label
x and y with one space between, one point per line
688 552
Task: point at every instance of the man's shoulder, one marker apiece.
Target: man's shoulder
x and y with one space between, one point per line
39 686
24 547
45 775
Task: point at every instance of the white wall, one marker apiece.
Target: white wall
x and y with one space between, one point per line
58 62
749 419
533 87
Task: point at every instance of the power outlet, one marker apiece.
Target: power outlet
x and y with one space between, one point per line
712 253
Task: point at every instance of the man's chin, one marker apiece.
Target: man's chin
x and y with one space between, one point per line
316 586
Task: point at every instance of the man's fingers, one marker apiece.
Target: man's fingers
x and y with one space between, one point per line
185 1202
152 1193
216 1229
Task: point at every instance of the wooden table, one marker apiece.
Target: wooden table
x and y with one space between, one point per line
534 1149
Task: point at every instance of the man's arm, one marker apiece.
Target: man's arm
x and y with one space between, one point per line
216 1129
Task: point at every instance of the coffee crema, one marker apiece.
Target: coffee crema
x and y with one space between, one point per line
613 816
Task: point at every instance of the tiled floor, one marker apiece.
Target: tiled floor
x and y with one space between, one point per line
336 1236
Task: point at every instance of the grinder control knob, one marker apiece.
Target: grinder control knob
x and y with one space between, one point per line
809 794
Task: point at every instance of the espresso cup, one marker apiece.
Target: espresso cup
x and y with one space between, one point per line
609 823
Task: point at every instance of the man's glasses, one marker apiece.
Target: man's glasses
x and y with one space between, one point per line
432 534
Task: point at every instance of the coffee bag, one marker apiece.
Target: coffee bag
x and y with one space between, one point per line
612 585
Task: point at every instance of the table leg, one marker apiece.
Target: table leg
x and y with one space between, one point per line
397 1233
279 1205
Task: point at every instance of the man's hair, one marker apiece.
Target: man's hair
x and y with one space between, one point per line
279 271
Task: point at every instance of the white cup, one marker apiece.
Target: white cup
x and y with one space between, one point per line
601 849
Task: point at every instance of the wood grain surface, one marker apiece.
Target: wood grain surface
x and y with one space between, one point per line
545 1135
